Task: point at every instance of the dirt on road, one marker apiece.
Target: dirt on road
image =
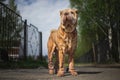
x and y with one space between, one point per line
84 73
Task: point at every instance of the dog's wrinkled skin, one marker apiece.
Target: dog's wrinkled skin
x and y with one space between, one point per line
63 41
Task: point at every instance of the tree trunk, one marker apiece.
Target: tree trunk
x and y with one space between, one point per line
115 53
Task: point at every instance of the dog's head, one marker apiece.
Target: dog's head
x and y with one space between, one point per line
69 19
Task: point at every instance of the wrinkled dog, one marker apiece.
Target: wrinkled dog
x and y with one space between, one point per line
63 41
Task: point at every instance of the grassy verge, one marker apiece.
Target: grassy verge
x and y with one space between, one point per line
23 64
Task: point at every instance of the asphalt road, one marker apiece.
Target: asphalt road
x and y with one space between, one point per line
85 73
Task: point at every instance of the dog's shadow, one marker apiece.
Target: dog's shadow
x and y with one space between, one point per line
84 72
89 72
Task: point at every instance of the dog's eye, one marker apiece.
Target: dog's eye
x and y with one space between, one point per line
72 12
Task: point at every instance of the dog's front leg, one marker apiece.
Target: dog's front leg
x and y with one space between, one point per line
56 62
61 62
71 65
50 58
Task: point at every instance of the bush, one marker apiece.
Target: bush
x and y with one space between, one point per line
28 63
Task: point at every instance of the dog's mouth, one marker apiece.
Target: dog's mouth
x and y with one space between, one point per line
69 24
69 21
69 27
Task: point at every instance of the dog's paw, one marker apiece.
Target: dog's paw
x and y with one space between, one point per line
74 73
51 72
60 73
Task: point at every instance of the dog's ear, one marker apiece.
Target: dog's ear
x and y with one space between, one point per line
61 12
76 11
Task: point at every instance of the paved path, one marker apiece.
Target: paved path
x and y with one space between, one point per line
85 73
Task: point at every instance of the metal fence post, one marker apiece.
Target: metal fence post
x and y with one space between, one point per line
25 39
40 55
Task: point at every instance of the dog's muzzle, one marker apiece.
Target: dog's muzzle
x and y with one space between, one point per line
69 20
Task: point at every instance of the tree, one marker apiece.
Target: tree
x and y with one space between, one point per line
14 19
99 19
10 24
2 0
12 5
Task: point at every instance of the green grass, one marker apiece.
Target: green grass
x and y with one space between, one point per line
23 64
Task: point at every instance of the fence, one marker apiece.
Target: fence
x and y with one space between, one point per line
17 38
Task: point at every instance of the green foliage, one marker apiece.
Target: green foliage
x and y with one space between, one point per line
13 6
87 30
2 0
10 23
30 63
96 17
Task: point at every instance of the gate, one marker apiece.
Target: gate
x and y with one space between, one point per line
17 38
33 45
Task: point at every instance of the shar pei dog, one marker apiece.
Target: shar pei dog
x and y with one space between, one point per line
63 41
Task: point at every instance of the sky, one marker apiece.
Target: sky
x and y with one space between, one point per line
44 14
